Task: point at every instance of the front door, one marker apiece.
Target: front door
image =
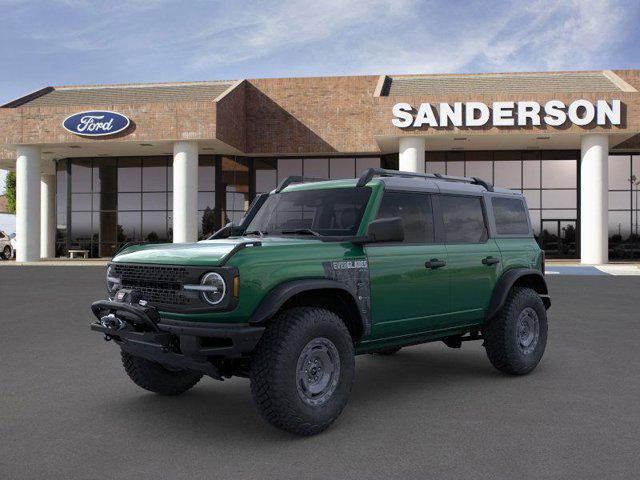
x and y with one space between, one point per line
474 258
410 279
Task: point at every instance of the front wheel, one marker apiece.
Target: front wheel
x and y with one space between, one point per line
156 378
303 370
6 253
516 338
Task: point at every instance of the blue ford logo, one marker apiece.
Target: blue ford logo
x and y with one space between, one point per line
96 123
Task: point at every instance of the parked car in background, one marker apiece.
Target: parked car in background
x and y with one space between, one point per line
6 246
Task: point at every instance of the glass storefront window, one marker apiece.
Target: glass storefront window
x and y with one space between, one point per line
508 174
154 226
234 194
81 175
559 198
129 226
559 174
455 168
548 181
619 172
533 198
531 174
624 202
342 168
480 169
266 174
113 200
154 178
620 200
61 208
129 174
316 168
436 167
288 167
364 163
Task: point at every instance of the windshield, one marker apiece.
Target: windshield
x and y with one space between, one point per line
330 212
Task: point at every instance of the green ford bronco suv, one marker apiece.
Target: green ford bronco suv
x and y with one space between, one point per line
320 271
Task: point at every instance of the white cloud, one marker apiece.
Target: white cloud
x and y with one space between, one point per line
168 40
279 26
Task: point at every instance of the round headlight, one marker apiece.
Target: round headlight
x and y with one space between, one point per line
113 283
215 288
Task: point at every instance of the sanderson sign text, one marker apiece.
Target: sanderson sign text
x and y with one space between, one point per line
507 114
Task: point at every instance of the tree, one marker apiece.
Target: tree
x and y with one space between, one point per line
10 192
208 222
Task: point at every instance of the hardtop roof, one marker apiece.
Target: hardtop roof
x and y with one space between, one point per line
402 183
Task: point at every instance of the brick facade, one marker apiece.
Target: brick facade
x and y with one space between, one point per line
289 116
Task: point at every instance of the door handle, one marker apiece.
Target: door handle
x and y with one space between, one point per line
435 263
490 261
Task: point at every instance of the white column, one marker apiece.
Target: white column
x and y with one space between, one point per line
594 199
47 215
411 154
185 192
28 203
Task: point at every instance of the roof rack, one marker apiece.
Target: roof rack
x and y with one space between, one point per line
296 179
368 175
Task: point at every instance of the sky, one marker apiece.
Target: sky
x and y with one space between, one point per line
74 42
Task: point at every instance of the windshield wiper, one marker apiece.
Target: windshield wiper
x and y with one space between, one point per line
256 232
302 231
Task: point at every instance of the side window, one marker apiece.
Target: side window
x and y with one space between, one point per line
415 211
510 215
463 219
2 235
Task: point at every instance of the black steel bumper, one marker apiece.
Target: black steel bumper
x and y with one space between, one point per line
188 345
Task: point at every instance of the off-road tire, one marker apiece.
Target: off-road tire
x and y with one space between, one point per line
387 351
501 334
6 253
274 370
154 377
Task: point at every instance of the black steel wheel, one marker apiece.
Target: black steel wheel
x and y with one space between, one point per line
516 338
302 370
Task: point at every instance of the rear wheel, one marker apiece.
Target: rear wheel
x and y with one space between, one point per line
158 379
516 338
6 253
303 370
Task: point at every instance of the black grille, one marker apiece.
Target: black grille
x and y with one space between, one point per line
159 285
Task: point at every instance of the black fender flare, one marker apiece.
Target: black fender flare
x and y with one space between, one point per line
533 278
279 295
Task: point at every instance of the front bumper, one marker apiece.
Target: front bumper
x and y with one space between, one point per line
187 345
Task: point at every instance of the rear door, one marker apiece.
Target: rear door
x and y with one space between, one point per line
474 259
409 279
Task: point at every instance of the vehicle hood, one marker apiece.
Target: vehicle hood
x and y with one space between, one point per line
206 252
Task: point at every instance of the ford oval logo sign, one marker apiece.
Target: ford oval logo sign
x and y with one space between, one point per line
96 123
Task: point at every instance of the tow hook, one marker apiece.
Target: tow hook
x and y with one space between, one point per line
112 322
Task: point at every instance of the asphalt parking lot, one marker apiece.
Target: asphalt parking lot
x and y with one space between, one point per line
67 410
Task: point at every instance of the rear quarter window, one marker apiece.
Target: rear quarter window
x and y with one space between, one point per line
463 219
511 216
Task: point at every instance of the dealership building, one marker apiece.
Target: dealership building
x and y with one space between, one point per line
99 166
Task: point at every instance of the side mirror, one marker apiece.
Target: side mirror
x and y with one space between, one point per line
385 230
